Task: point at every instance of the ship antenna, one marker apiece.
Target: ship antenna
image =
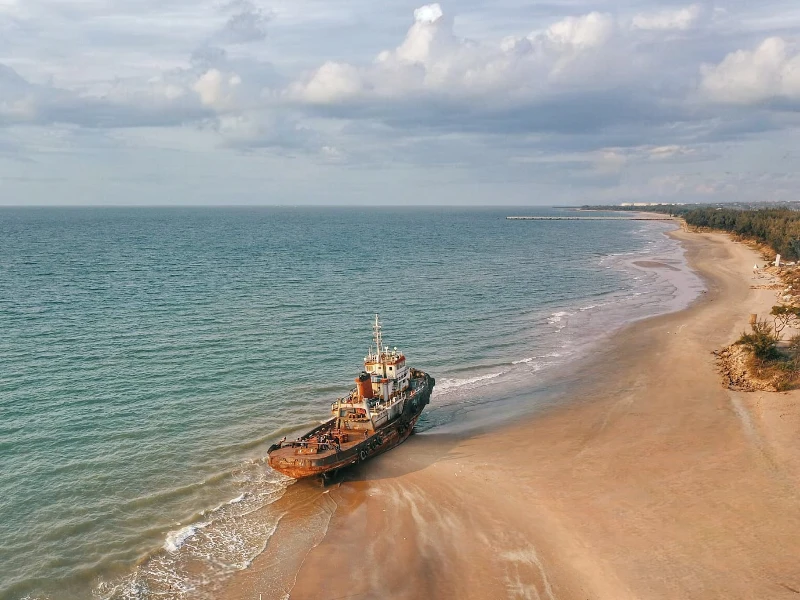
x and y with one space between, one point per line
378 338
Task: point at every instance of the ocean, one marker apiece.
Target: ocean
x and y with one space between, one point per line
150 356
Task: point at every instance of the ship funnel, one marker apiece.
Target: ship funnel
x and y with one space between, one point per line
364 386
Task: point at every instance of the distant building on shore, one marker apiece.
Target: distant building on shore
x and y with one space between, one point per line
653 204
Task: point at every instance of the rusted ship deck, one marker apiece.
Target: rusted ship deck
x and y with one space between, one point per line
330 446
377 415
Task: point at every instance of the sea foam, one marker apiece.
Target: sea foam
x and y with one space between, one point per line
447 384
175 539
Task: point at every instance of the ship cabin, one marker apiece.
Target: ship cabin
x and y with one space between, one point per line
380 392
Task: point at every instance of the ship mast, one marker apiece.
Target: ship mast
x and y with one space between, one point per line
376 328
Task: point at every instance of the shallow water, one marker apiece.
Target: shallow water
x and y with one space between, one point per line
149 357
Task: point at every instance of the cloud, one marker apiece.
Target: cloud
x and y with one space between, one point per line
576 76
11 8
430 33
574 93
121 104
431 62
671 151
256 130
248 23
217 89
680 19
18 98
588 31
609 162
770 72
571 74
429 14
332 82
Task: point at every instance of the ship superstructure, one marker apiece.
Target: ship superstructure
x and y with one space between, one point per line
381 390
379 413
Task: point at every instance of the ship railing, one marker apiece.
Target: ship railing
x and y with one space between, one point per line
309 444
382 408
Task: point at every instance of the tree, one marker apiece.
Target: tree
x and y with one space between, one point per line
783 316
778 228
762 342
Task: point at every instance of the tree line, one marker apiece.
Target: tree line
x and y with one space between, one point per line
778 228
675 210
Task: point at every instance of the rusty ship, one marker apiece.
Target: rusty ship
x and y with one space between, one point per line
377 415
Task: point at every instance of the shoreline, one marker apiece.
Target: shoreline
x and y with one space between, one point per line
649 480
199 552
500 393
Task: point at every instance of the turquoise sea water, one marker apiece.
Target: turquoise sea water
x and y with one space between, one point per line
148 357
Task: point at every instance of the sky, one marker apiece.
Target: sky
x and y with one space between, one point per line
393 103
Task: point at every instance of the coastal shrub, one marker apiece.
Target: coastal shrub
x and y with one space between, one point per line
768 361
783 316
762 342
785 381
784 373
793 348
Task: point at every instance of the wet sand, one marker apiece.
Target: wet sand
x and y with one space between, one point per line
649 481
654 264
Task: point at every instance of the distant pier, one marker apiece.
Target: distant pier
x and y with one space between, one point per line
659 218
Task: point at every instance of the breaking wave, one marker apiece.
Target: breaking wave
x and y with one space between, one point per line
560 319
530 359
216 543
175 539
447 384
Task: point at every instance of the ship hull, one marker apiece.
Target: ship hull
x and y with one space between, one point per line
392 434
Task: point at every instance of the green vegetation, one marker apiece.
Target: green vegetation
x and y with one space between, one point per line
778 228
762 342
768 361
784 315
767 357
794 350
665 209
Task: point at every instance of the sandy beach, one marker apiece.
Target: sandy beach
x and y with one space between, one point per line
651 480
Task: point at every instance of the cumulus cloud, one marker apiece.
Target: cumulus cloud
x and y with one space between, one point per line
430 13
680 19
158 102
432 61
588 31
573 73
330 83
217 89
256 129
769 72
430 34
